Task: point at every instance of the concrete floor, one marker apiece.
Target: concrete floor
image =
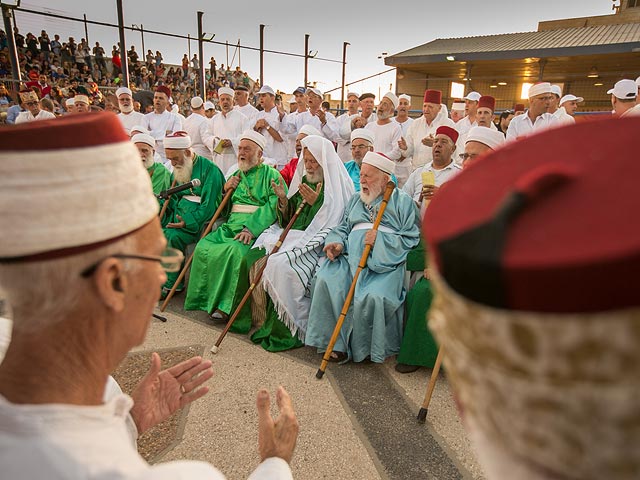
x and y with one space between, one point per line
358 422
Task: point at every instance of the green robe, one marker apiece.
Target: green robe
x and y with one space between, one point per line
274 335
195 215
161 179
220 269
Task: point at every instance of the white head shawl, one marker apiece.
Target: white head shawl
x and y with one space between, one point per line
299 254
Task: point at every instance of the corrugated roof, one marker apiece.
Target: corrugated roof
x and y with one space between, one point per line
562 38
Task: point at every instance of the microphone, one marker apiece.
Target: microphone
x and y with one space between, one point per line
185 186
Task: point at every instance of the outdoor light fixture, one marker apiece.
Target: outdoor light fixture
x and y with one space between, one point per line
451 58
598 84
502 84
593 73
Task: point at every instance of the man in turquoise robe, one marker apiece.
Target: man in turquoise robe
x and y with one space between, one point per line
190 210
373 327
222 259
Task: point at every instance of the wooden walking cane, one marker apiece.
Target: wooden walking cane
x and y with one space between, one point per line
256 279
166 202
422 414
352 289
223 204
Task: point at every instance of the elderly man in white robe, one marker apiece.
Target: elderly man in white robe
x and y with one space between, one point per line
127 116
288 273
161 122
227 127
387 134
373 327
197 126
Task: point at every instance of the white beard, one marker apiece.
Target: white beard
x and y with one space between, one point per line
127 109
374 192
246 165
317 177
148 162
183 174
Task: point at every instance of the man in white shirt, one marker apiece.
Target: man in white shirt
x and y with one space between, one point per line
556 110
197 126
536 118
344 122
83 295
484 119
227 127
241 99
30 101
268 122
457 111
387 134
470 110
160 122
128 117
569 104
623 97
419 140
479 141
209 109
297 106
367 115
325 122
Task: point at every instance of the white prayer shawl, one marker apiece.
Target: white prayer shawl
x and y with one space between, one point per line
159 126
197 126
130 120
287 276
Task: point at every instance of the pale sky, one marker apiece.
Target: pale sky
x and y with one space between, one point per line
369 28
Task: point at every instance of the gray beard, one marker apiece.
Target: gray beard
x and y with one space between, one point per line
125 110
183 174
148 162
368 198
246 165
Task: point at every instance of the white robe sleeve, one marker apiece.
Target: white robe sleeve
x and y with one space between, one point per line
273 468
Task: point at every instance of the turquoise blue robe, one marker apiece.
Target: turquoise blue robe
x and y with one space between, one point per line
377 305
353 169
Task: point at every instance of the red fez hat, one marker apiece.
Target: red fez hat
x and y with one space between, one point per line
519 238
519 107
487 101
452 133
433 96
164 89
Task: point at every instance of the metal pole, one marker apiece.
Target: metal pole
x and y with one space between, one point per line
203 92
13 53
239 51
226 45
189 46
306 59
144 52
344 70
86 29
261 54
123 48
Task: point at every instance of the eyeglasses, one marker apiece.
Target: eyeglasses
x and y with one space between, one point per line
359 147
170 260
465 156
30 104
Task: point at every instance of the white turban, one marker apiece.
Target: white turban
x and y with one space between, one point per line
255 137
144 138
487 136
177 142
81 99
309 130
380 161
539 89
459 106
405 97
364 134
122 90
226 91
394 99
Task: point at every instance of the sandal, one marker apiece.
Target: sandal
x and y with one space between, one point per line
218 316
337 357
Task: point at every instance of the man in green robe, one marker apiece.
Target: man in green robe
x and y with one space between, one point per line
373 326
161 178
322 182
190 210
222 259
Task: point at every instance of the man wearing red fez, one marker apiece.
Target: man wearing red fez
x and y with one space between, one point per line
518 109
160 122
543 358
420 137
484 118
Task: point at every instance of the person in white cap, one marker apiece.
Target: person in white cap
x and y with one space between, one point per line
175 109
323 183
161 178
198 127
373 327
344 121
227 127
160 122
209 110
387 133
297 106
554 105
366 115
33 111
81 103
480 141
128 117
221 259
69 105
569 103
536 118
189 210
623 97
82 285
325 122
402 117
457 111
420 136
362 141
268 122
241 100
470 109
